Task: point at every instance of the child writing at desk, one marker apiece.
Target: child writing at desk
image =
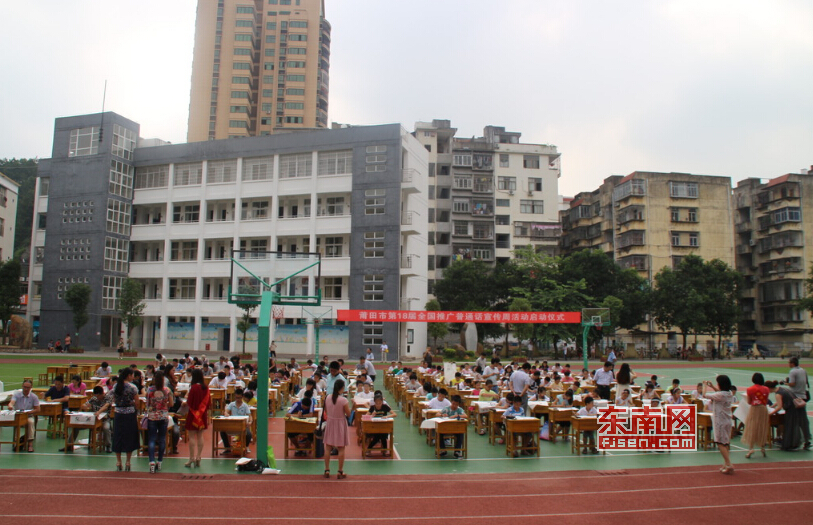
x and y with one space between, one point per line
380 409
453 411
301 409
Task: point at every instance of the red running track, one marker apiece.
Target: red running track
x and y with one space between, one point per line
758 493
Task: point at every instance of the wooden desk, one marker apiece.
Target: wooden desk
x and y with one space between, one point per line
76 401
300 426
451 428
558 416
53 411
376 426
513 430
579 425
705 436
231 426
19 421
93 424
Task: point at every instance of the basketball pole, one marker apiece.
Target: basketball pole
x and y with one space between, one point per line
585 332
263 342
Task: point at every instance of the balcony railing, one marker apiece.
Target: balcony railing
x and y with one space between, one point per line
408 260
408 174
406 218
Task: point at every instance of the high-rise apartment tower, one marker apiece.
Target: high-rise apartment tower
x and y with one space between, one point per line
259 66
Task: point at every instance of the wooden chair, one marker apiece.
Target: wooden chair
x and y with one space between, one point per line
451 429
218 398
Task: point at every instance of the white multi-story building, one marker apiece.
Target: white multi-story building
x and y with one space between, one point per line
8 216
354 195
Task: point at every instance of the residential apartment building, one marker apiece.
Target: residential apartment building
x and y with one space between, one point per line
648 221
651 220
774 245
170 216
259 66
8 216
488 195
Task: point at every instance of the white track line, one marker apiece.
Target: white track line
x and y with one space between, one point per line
388 517
377 498
406 478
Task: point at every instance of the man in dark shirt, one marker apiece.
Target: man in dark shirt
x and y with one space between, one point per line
59 392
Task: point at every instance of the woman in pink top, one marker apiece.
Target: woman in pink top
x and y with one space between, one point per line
757 428
77 387
337 410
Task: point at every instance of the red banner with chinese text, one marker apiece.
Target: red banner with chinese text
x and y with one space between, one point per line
401 316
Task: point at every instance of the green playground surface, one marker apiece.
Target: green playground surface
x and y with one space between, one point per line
413 455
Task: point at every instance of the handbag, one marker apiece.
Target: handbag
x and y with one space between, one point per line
145 423
799 402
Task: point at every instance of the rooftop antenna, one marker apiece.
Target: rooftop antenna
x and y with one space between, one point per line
101 124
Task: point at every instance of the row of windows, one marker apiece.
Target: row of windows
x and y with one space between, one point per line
116 254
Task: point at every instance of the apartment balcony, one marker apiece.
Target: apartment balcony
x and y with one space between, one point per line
409 178
744 248
410 265
743 227
407 226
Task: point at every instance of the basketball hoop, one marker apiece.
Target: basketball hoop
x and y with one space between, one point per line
278 312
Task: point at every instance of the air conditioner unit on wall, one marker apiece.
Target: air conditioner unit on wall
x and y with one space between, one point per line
752 242
510 192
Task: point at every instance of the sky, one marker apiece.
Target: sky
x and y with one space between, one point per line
698 86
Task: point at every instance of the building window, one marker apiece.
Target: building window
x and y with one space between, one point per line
242 51
694 239
238 124
183 251
84 141
124 141
295 166
121 179
240 80
186 213
296 51
675 214
182 288
152 177
116 254
219 171
373 287
373 333
256 210
502 220
332 288
118 217
245 10
675 239
507 183
241 65
333 246
462 206
294 120
188 174
335 162
504 160
530 162
111 289
692 215
45 184
243 37
534 184
683 190
484 254
373 245
244 23
298 23
787 215
295 91
461 160
258 168
461 228
239 94
372 159
294 105
463 182
531 206
298 38
503 203
295 78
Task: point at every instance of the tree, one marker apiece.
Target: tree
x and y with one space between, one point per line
131 304
78 298
9 291
469 286
244 324
806 303
722 291
678 299
435 330
522 331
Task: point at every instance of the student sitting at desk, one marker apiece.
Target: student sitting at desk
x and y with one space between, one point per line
514 411
366 394
413 383
237 408
624 399
488 393
453 411
380 409
675 398
589 410
59 392
104 371
697 393
440 402
425 388
302 409
219 381
649 392
25 399
432 394
458 379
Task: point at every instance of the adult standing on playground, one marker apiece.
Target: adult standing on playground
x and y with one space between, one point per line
334 376
624 379
792 431
367 366
799 385
125 426
756 422
337 411
159 401
384 351
67 343
603 377
721 401
197 420
520 382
